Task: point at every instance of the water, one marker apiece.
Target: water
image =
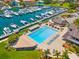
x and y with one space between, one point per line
5 22
42 34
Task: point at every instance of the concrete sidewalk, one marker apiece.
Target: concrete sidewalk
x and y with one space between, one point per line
73 56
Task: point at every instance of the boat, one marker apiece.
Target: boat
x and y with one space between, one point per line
15 13
7 15
38 16
13 25
7 30
24 22
32 19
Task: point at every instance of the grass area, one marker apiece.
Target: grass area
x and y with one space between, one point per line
56 4
69 6
65 5
73 47
4 54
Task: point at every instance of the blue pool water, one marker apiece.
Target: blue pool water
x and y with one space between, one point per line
42 34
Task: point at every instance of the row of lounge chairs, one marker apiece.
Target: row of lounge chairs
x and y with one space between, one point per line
54 38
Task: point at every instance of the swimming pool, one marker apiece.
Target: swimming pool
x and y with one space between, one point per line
42 34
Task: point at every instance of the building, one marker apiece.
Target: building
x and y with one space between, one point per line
72 35
60 21
7 0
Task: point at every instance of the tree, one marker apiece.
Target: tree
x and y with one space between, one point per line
36 0
65 55
12 38
46 53
41 54
47 1
10 48
76 22
70 1
22 3
57 54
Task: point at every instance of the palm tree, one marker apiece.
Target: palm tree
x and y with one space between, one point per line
41 54
46 53
65 54
57 54
22 3
13 38
76 22
47 1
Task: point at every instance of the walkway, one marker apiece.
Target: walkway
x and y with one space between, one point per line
73 56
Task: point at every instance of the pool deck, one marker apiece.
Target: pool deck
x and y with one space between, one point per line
24 41
56 44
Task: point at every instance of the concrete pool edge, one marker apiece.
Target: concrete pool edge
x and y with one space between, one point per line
55 34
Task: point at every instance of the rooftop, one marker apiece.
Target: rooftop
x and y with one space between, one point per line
60 21
73 32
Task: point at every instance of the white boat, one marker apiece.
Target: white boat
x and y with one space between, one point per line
39 9
42 14
7 15
21 11
23 22
32 19
13 25
50 12
15 13
38 16
30 11
7 12
7 30
4 32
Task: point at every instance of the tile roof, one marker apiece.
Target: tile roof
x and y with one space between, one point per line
73 32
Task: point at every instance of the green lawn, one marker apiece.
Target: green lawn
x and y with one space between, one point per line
17 54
